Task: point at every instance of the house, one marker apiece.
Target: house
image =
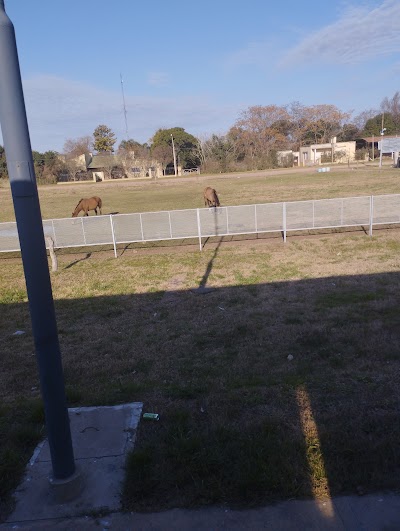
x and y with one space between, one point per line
287 158
390 146
109 166
330 152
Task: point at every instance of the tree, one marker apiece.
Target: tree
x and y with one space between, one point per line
322 122
258 131
38 163
217 153
163 154
373 126
47 165
392 106
104 139
314 124
3 164
75 152
348 132
133 150
362 118
185 145
78 146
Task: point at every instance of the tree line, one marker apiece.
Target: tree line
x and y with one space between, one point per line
251 143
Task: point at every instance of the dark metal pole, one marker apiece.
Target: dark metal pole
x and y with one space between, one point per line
34 257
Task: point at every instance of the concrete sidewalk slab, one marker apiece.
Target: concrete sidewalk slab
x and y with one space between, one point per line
101 437
350 513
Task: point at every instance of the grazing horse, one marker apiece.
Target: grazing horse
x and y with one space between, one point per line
92 203
210 197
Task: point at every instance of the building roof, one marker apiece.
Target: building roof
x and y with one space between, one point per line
377 138
101 161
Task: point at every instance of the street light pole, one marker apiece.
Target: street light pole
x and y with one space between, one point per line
33 251
173 151
380 154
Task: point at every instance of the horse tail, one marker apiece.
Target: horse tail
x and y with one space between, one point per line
99 202
217 203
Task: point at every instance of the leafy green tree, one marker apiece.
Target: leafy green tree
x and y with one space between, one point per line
134 148
38 163
104 139
373 126
47 166
3 164
348 133
218 152
185 145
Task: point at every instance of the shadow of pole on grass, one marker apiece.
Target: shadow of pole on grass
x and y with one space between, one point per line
88 255
202 289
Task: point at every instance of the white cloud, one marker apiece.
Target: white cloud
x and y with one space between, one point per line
59 108
254 53
360 34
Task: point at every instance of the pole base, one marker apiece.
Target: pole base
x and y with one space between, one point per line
65 490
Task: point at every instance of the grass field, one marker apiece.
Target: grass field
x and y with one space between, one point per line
58 201
240 422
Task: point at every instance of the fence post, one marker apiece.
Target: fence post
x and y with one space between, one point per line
83 231
50 242
284 222
113 236
199 228
313 213
54 233
170 226
341 215
371 213
141 226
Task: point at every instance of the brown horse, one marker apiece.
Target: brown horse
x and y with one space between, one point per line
86 204
210 197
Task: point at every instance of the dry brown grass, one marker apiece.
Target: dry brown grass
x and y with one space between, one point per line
58 201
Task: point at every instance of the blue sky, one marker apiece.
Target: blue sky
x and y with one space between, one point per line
196 65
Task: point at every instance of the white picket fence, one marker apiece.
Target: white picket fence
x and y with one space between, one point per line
206 222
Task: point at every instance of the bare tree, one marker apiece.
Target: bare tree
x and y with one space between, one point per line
163 154
78 146
322 122
73 166
259 131
216 152
392 106
362 118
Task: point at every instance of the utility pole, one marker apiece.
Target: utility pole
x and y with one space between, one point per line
383 129
173 151
33 251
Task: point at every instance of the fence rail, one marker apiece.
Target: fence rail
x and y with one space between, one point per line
206 222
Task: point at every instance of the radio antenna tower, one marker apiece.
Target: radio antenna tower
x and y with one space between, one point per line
124 106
